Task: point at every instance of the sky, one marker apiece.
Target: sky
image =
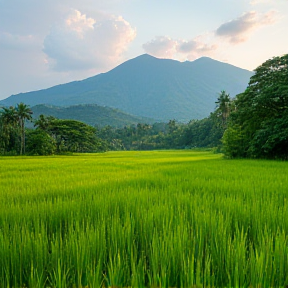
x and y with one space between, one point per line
48 42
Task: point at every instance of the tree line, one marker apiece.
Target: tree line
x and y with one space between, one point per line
57 136
253 124
50 136
172 135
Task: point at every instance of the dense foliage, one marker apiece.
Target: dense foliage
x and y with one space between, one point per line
54 135
258 125
70 135
50 136
172 135
12 128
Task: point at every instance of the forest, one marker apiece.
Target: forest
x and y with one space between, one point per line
254 124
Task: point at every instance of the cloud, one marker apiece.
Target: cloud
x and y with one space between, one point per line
18 42
161 46
239 30
80 42
35 17
255 2
165 47
195 48
79 23
235 31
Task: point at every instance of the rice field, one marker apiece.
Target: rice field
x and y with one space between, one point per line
143 219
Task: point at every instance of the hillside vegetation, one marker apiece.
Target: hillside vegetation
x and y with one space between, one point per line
90 114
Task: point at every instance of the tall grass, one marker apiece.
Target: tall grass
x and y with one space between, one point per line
143 219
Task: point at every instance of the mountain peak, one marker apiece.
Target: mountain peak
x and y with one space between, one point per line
147 86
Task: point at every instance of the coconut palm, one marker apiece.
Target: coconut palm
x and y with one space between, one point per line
9 116
23 113
8 122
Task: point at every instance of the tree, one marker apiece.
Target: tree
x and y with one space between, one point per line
9 115
268 88
9 129
223 108
233 142
261 113
271 140
70 135
40 142
23 113
43 122
203 133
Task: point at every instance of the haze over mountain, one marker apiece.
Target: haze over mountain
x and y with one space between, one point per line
146 86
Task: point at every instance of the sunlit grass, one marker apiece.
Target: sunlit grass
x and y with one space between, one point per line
143 219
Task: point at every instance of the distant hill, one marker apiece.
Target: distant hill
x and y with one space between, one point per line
146 86
91 114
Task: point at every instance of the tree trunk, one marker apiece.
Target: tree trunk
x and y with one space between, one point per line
24 140
22 136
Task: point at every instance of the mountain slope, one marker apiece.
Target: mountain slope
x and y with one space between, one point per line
91 114
162 89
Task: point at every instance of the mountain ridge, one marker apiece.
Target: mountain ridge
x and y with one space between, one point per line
91 114
146 86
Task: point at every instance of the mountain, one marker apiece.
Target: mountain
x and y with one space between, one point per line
146 86
91 114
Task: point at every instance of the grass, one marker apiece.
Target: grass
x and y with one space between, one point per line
143 219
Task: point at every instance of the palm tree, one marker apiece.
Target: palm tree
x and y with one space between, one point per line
9 115
23 113
9 121
223 107
43 122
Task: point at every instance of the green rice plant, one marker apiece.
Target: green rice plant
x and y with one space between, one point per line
115 275
59 277
36 279
94 275
143 219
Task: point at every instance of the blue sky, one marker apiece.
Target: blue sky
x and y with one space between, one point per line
48 42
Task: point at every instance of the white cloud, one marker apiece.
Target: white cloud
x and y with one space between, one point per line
79 23
210 44
165 47
196 48
161 46
81 42
239 29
